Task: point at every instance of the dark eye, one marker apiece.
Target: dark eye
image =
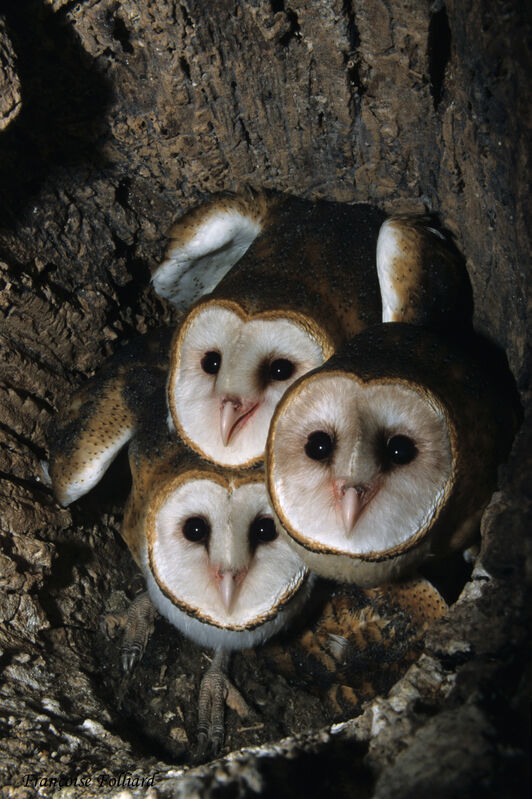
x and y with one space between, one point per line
401 450
319 445
262 530
211 361
281 369
196 529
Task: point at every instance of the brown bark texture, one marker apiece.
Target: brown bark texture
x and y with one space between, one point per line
115 118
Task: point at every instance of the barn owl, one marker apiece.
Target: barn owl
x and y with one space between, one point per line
214 563
388 453
204 536
276 314
289 281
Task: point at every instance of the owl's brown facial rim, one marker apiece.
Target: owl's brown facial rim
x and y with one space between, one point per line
358 468
229 370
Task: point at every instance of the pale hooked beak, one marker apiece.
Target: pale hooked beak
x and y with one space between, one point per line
352 498
229 583
234 413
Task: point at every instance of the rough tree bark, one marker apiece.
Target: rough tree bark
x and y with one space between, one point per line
114 119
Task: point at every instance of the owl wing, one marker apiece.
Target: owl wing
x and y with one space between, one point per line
422 275
103 416
206 242
361 642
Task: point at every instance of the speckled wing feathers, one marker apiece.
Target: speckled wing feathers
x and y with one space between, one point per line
206 242
103 416
422 276
360 642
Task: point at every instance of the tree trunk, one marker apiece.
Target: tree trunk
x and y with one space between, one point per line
114 119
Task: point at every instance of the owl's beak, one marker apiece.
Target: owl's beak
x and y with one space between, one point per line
352 499
350 507
229 583
234 413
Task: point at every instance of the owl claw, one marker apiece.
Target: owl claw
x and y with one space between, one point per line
213 693
216 691
338 646
129 658
139 627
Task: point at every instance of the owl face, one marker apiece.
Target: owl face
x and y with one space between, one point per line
228 373
217 567
359 468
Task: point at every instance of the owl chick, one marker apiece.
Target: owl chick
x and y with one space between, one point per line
389 452
214 563
204 537
290 280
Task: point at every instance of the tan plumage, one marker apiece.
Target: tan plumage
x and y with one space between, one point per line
290 281
389 452
422 275
360 643
103 415
306 280
126 403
